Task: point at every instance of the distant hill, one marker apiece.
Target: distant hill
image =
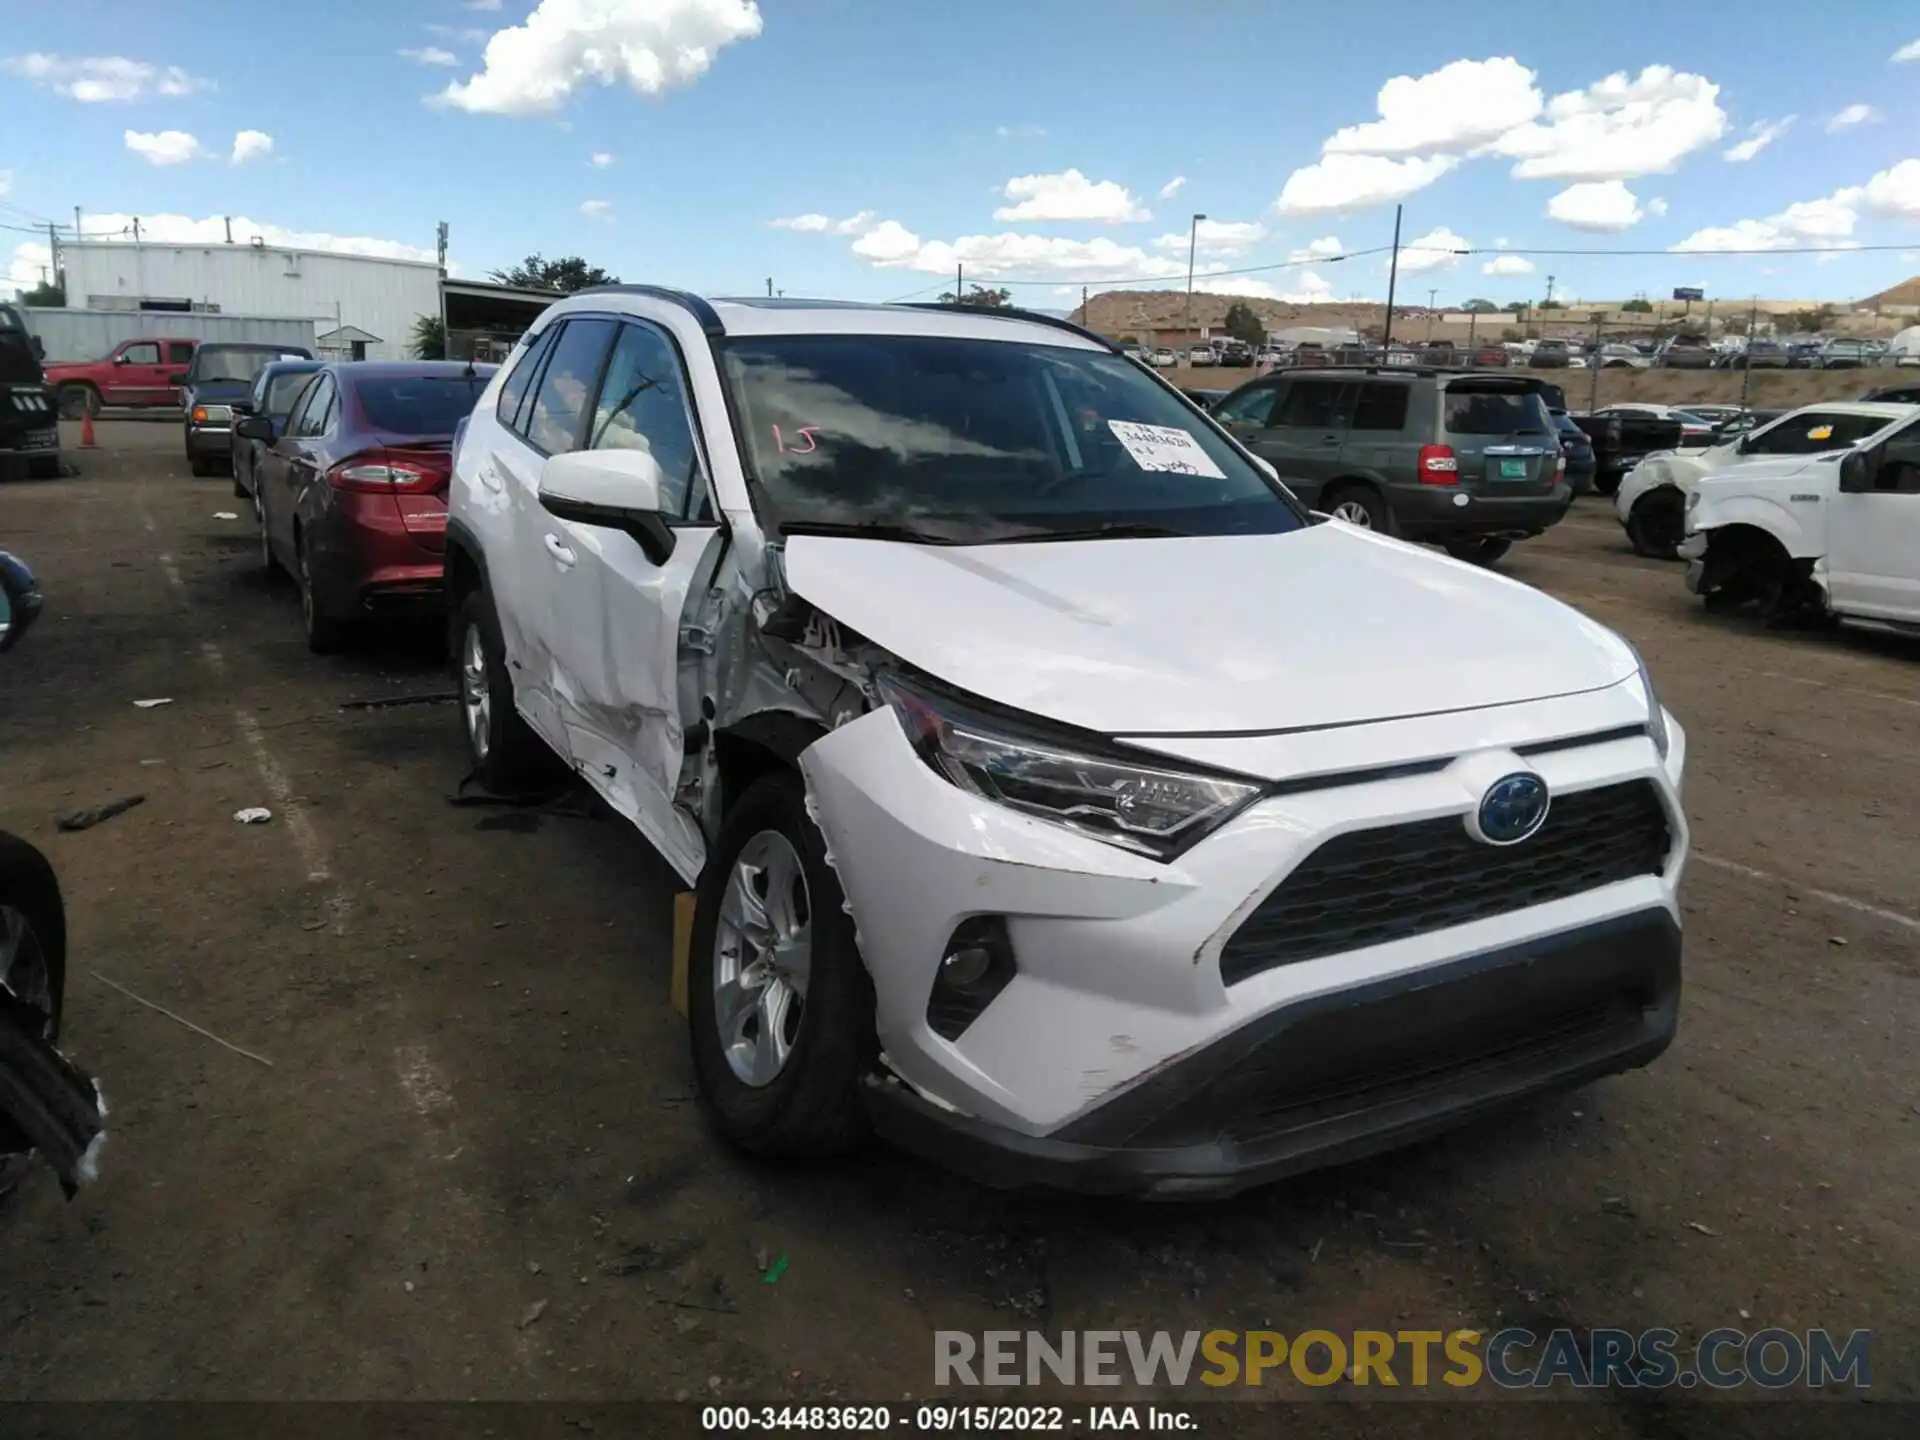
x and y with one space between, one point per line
1907 292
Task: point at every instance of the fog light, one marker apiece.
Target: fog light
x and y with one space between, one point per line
975 967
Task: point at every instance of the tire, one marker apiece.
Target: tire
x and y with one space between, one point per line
269 562
810 1106
76 402
1485 551
325 635
502 748
1360 506
1606 482
30 906
1657 524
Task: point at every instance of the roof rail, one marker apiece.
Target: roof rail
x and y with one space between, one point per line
708 317
1011 312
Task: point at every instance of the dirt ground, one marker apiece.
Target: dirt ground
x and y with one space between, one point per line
1782 389
474 1168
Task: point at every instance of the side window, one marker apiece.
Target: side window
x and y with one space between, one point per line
513 393
145 353
1311 405
1381 406
1899 462
643 406
1252 406
560 403
317 413
1815 434
296 412
179 352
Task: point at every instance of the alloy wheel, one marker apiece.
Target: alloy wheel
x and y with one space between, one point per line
475 698
1354 513
762 958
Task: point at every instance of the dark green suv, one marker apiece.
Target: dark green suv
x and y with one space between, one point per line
1471 462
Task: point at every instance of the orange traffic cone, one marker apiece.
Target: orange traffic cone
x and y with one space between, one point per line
87 442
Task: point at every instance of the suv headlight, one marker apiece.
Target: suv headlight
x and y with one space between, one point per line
1144 808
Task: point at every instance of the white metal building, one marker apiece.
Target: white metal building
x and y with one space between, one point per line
366 304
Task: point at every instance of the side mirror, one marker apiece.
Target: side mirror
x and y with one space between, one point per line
121 359
19 600
1856 472
613 489
256 427
39 348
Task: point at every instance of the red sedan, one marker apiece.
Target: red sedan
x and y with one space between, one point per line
353 489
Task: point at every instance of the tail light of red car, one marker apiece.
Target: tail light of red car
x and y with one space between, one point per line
389 473
1438 465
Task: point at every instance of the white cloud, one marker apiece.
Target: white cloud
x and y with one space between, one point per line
29 266
1759 136
1596 205
1325 248
1218 237
1852 115
1896 192
653 45
1338 183
1020 132
1457 107
1069 196
430 55
165 147
1826 224
1618 128
1909 51
816 224
482 4
1432 251
891 246
597 209
185 230
1656 207
97 78
1507 265
600 159
1172 187
251 145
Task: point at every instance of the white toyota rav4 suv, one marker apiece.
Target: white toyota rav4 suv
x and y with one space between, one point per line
1063 800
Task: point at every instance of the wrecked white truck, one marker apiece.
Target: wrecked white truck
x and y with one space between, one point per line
1063 800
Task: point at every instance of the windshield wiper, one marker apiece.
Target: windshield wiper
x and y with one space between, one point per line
867 530
1106 530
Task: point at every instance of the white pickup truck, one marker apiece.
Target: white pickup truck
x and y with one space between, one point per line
1651 500
1824 537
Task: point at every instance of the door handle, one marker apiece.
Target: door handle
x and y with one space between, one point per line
559 551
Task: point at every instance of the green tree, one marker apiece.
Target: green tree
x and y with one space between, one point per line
1480 307
981 298
1242 324
429 341
1638 307
1553 305
566 274
45 294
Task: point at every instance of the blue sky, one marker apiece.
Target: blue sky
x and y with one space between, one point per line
887 135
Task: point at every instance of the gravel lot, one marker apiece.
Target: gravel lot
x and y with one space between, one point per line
475 1169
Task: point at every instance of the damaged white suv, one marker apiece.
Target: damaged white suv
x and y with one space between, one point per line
1063 800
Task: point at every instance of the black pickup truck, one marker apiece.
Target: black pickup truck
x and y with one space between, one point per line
1619 442
29 436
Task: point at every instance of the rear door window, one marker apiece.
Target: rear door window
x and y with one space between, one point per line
1381 406
567 384
1496 412
1252 406
1311 405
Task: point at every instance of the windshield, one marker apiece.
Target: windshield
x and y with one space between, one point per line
419 404
971 441
235 362
283 389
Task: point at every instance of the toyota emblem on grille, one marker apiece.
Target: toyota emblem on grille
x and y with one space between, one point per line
1514 807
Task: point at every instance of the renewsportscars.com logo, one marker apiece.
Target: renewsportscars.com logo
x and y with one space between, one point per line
1513 1358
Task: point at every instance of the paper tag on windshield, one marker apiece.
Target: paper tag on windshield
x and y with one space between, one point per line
1165 447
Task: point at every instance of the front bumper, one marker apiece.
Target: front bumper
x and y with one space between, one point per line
209 440
29 452
1447 512
1119 975
1693 550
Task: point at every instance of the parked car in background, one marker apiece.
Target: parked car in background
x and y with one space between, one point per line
274 391
1133 350
1492 357
352 490
1353 354
1308 355
1695 429
220 374
29 438
140 374
1468 462
1684 352
1716 416
1758 354
1908 394
1621 436
1202 355
1205 399
1164 358
1577 446
1824 537
1842 355
1651 502
1620 357
929 887
1270 353
1801 354
1233 352
1442 353
1550 355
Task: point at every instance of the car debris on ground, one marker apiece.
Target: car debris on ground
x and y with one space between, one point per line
88 816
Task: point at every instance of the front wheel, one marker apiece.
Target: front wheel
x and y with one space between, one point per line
501 747
779 1005
1362 507
1657 524
1483 551
76 402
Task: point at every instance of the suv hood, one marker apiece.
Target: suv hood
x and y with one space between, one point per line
1321 627
1783 467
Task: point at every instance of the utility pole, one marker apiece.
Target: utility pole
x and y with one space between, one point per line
1593 364
1430 297
136 229
1473 324
959 283
1393 279
1549 289
229 220
440 244
1746 377
76 224
1083 304
53 249
1193 241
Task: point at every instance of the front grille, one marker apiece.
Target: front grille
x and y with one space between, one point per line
1369 887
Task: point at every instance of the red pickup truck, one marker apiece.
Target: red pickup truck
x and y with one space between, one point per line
141 373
